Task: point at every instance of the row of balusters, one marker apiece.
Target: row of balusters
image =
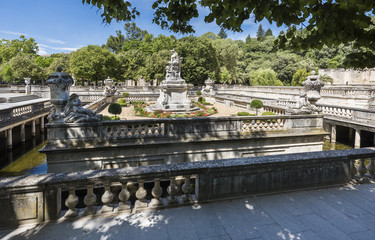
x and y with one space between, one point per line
21 110
124 205
361 169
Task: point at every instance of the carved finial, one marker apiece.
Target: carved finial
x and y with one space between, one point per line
59 69
313 72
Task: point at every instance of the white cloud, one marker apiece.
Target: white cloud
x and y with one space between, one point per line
51 40
42 51
44 46
12 33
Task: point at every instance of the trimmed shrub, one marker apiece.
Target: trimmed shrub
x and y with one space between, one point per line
122 102
243 114
268 113
198 93
106 118
114 108
256 103
201 100
125 94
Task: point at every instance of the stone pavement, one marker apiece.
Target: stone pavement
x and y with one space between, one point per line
332 213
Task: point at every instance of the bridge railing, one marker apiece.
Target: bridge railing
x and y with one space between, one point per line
353 114
39 198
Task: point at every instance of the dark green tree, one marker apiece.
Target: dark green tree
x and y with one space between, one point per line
132 32
260 33
257 104
248 39
11 48
115 43
115 108
268 33
222 34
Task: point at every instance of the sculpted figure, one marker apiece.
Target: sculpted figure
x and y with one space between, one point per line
74 112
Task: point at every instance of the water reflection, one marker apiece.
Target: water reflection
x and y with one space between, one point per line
327 146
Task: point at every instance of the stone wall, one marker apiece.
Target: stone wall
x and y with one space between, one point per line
38 198
350 76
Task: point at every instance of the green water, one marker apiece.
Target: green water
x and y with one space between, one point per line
328 146
32 162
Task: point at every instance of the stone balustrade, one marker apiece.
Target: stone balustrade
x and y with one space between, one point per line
357 115
39 198
23 111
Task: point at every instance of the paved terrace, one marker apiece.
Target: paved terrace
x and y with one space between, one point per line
332 213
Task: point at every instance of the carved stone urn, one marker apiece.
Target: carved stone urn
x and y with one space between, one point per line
59 84
312 87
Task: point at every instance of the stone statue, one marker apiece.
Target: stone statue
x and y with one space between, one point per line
67 109
109 89
75 113
208 90
308 99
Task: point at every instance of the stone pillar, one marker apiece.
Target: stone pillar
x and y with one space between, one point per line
333 134
357 139
23 134
33 131
9 138
42 124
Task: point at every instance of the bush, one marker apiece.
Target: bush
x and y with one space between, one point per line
106 118
114 108
122 102
256 103
201 100
125 94
243 114
198 93
268 113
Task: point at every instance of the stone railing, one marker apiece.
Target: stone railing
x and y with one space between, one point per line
353 114
98 105
39 198
21 111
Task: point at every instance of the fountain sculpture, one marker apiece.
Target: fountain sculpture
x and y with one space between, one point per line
67 109
174 93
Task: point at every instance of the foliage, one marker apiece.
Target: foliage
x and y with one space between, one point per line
125 94
268 113
43 62
131 64
20 67
260 33
6 72
326 79
59 60
155 65
222 34
264 77
201 99
11 48
256 103
106 118
200 61
93 63
114 108
122 102
299 77
244 114
115 43
268 33
198 93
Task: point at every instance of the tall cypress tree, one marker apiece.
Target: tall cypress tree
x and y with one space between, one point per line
222 34
260 33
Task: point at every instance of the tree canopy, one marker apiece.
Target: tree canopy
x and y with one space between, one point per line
324 22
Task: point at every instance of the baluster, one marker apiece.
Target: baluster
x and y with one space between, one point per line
71 202
371 167
124 196
90 200
107 198
157 191
172 191
186 187
141 195
353 170
361 167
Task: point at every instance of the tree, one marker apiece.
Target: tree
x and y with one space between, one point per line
20 67
248 39
326 22
60 59
222 34
11 48
199 59
93 63
260 33
115 43
300 76
264 77
132 32
155 65
132 64
115 108
268 33
210 35
256 103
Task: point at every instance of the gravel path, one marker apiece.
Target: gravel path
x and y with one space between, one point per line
223 111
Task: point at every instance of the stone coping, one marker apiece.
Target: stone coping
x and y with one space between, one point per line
344 107
83 178
179 120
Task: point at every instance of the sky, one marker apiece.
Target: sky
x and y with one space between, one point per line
67 25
